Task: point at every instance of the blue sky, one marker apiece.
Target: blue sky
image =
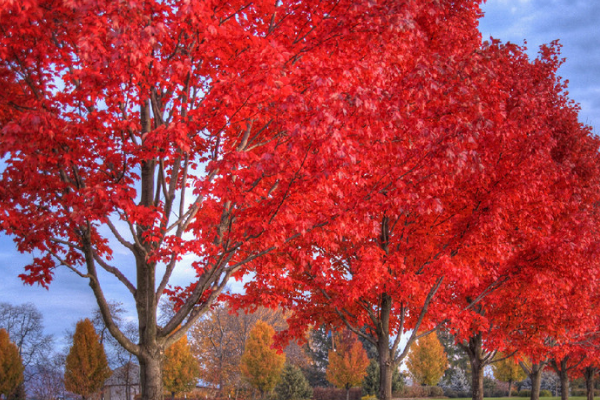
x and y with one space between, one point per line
574 22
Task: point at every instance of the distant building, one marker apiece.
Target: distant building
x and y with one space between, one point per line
123 384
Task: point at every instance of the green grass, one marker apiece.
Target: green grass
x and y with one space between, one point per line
525 398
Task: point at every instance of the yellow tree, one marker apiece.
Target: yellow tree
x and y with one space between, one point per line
86 368
427 360
11 365
508 370
348 362
180 370
261 364
218 339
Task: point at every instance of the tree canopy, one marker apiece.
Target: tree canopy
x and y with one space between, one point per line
11 366
86 367
348 362
261 364
180 368
373 164
427 360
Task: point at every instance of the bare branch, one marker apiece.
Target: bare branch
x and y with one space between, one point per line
69 265
102 303
66 243
116 272
116 233
495 360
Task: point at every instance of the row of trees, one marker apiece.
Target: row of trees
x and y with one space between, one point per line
368 165
344 363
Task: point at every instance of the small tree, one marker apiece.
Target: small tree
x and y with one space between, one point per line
427 360
180 368
293 384
261 365
348 363
508 370
11 365
86 368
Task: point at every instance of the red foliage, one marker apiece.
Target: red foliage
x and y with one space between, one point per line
475 199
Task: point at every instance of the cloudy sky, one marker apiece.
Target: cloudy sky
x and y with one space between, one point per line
574 22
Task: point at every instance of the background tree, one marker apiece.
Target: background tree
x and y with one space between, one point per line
47 382
317 350
180 369
348 362
86 367
456 376
116 355
293 384
508 370
427 360
261 364
24 324
11 366
218 340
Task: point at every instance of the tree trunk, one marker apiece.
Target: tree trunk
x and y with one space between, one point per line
564 385
151 377
477 379
383 348
347 393
385 375
509 387
536 381
127 383
478 360
561 370
589 374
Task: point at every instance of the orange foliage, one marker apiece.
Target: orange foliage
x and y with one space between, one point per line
86 368
11 366
348 362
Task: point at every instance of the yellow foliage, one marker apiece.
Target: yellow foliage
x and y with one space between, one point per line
508 370
261 365
427 360
11 365
217 341
180 369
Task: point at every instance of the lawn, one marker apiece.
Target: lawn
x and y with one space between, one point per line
525 398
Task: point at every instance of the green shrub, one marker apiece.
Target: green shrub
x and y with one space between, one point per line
545 393
293 385
524 393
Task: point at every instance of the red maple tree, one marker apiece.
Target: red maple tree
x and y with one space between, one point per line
483 178
174 131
